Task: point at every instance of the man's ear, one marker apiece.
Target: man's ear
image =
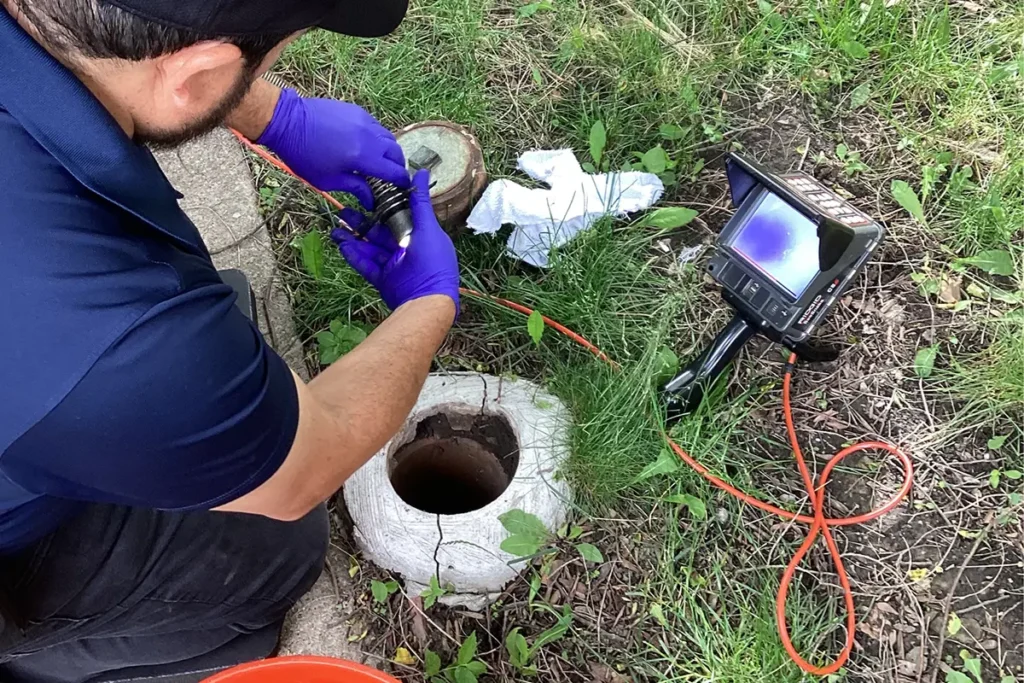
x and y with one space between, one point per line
196 78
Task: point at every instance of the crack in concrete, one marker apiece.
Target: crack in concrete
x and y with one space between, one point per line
437 549
483 404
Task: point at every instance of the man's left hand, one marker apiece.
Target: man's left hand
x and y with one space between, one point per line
333 145
426 267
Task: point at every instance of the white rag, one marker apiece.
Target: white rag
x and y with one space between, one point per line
546 218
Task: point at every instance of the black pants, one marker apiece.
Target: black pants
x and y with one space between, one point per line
120 593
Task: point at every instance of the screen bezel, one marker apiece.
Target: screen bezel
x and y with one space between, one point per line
741 220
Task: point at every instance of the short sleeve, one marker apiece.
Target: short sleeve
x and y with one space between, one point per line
189 409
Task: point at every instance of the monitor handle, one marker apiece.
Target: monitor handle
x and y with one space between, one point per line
686 390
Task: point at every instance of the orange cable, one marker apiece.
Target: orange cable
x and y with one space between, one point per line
274 161
557 326
815 489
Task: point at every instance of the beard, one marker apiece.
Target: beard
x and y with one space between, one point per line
161 138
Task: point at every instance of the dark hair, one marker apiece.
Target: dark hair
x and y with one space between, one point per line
98 30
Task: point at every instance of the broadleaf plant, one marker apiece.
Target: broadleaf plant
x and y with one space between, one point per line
528 533
339 339
434 591
535 326
598 141
465 669
905 196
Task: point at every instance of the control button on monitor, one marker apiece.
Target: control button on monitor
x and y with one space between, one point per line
733 277
751 289
776 312
780 316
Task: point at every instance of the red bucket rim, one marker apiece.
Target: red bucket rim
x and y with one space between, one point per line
294 664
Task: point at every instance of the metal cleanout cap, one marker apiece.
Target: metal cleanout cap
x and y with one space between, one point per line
456 165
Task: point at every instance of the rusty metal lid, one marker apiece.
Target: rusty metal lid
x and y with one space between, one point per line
458 150
456 164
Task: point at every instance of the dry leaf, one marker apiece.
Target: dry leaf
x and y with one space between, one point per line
916 575
909 666
830 419
949 290
403 657
602 673
891 311
886 608
876 624
871 630
419 625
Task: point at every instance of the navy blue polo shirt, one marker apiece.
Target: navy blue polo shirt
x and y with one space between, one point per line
127 374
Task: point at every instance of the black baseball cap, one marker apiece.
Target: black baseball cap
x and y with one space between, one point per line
236 18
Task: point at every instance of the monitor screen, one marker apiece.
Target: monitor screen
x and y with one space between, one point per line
781 242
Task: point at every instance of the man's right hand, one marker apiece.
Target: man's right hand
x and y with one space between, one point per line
427 266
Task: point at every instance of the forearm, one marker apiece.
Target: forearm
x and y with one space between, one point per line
250 118
351 410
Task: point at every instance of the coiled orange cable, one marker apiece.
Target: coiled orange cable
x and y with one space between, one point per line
819 523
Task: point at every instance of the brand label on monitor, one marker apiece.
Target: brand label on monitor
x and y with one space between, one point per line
820 300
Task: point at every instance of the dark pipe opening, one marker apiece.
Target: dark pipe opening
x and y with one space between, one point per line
455 464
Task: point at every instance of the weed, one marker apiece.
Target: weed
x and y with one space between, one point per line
971 665
997 475
528 537
521 652
433 592
906 197
339 339
669 218
850 159
683 596
382 590
924 360
694 504
465 669
990 382
535 326
598 141
312 250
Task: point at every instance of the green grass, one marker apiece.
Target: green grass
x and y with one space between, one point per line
989 384
995 375
719 622
912 84
605 287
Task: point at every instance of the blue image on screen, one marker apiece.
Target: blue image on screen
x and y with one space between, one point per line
781 242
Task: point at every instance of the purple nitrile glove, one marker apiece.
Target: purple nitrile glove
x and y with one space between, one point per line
427 266
333 145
